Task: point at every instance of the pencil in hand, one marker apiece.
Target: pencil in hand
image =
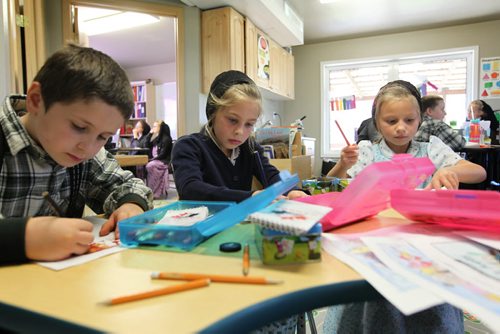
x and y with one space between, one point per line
342 133
53 205
215 278
246 260
199 283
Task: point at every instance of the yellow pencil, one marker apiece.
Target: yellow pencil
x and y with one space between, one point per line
199 283
215 278
246 260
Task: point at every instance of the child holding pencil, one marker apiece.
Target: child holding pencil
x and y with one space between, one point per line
52 141
396 111
219 163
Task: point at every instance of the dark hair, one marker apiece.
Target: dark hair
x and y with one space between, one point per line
79 73
397 88
145 126
430 101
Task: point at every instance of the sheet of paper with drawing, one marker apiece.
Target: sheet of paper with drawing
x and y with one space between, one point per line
408 297
101 246
408 258
184 217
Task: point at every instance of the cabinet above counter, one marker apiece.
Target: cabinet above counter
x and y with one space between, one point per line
231 41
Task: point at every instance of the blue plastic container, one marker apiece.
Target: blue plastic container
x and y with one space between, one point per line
143 230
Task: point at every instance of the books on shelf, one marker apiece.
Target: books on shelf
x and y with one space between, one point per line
289 216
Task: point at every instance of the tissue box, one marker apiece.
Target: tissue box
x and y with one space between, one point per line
279 248
325 185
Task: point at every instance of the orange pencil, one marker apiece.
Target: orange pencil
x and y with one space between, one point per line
215 278
342 133
159 292
246 260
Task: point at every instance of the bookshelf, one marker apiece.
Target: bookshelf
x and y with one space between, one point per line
144 106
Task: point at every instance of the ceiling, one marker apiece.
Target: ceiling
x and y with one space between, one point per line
338 20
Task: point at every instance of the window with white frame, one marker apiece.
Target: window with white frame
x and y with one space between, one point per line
348 88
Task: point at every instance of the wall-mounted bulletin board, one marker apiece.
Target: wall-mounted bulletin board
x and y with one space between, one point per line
489 80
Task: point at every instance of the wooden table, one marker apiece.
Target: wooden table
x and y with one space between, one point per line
74 294
126 160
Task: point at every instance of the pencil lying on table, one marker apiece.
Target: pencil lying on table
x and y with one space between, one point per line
199 283
215 278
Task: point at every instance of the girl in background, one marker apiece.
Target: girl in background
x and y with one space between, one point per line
140 138
219 163
160 142
397 108
483 111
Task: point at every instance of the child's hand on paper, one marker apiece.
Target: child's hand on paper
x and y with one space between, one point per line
443 178
125 211
54 238
296 194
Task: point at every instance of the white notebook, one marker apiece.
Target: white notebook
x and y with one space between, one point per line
289 216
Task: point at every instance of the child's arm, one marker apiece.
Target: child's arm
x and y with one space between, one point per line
348 158
54 238
463 171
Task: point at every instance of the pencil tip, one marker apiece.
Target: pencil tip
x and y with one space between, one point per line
274 281
155 274
105 303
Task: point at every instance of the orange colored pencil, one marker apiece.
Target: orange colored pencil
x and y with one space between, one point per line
199 283
246 260
215 278
342 133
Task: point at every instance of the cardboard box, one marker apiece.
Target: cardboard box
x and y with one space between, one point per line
300 164
280 248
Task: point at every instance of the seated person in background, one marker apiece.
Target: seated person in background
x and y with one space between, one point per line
433 114
77 100
140 139
219 163
483 111
368 131
160 143
397 110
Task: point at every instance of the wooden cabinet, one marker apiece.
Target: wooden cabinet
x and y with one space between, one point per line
222 42
144 106
230 41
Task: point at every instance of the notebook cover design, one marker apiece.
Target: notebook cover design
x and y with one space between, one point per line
291 217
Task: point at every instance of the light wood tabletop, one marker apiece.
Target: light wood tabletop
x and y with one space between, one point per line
131 160
76 294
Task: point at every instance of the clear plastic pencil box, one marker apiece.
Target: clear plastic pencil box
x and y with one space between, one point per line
144 230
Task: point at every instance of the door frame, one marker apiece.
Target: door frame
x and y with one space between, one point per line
147 8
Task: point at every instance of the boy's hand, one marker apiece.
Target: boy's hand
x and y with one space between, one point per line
349 156
53 238
296 194
444 178
125 211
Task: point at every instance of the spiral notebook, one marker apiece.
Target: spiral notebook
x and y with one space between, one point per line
291 217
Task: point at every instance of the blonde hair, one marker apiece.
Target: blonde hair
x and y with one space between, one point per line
394 93
235 94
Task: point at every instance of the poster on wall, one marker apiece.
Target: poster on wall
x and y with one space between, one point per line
489 80
263 57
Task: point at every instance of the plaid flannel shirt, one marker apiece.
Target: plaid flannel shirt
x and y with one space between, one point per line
438 128
27 171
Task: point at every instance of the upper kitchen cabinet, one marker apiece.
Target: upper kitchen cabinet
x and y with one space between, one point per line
230 41
222 42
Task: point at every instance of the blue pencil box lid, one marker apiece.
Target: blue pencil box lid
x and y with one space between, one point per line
144 230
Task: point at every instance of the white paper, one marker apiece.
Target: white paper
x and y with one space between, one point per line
405 259
408 297
486 238
101 246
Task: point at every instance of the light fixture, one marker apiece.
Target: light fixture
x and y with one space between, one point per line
94 21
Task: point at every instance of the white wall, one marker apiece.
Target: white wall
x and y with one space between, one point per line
159 73
308 59
166 105
4 52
